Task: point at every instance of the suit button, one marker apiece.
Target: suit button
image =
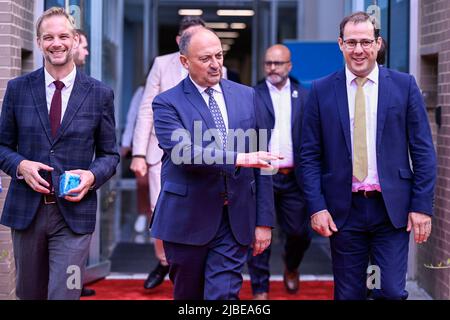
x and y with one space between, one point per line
52 152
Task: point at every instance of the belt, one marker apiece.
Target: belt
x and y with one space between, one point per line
49 198
285 171
368 194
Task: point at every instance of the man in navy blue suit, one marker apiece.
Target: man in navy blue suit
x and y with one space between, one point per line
369 166
53 120
280 104
214 201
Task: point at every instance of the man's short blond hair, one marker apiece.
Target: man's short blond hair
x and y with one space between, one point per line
54 11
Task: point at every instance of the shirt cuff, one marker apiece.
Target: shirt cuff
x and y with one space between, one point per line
318 213
18 176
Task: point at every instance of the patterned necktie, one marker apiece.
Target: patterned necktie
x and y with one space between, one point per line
217 116
55 107
360 163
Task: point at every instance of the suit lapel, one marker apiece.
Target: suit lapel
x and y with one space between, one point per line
80 90
265 94
296 104
384 95
230 103
340 89
37 84
197 101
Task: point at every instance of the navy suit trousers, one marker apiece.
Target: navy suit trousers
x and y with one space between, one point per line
368 236
209 272
295 226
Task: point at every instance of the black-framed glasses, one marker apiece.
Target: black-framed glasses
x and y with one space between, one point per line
352 43
275 63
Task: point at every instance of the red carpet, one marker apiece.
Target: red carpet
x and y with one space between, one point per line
133 290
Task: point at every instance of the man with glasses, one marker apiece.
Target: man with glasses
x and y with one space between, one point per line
280 105
361 128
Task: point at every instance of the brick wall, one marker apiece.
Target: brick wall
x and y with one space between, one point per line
435 80
16 46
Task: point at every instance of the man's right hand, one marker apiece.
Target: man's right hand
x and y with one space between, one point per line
30 172
260 159
139 166
323 223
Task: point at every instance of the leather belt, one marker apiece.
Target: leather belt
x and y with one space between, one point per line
285 171
49 198
368 194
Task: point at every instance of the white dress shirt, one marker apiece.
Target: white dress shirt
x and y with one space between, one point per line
65 92
371 94
218 96
281 138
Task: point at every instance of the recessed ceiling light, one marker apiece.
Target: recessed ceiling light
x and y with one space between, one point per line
227 41
238 25
217 25
227 34
226 47
236 13
190 12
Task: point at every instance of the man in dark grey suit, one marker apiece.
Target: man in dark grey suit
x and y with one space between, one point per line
55 119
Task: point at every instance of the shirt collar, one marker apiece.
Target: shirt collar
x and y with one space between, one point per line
373 75
202 89
273 88
68 80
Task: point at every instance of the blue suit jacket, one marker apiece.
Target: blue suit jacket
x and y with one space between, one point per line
190 205
87 130
266 117
402 130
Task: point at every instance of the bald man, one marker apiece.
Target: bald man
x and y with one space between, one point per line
209 212
280 104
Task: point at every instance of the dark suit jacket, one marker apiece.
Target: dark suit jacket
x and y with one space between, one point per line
402 130
87 130
266 116
189 207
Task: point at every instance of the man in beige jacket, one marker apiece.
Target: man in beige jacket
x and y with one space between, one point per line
166 73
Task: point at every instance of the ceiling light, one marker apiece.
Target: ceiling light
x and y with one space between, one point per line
236 13
217 25
227 34
227 41
190 12
238 25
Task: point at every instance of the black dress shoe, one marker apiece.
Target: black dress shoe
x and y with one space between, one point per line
291 281
156 277
86 292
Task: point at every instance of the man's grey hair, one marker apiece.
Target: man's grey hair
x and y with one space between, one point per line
184 42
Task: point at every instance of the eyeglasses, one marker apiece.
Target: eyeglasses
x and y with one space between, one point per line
365 43
277 64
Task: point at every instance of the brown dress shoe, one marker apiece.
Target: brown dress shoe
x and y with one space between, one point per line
261 296
291 282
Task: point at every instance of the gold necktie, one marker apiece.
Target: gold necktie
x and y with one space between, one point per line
359 133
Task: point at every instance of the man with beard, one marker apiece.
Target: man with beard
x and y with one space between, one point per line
280 104
55 119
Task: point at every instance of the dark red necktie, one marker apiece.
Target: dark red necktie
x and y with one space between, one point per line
55 107
55 119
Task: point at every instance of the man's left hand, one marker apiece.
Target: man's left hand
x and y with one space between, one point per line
87 180
263 237
421 223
